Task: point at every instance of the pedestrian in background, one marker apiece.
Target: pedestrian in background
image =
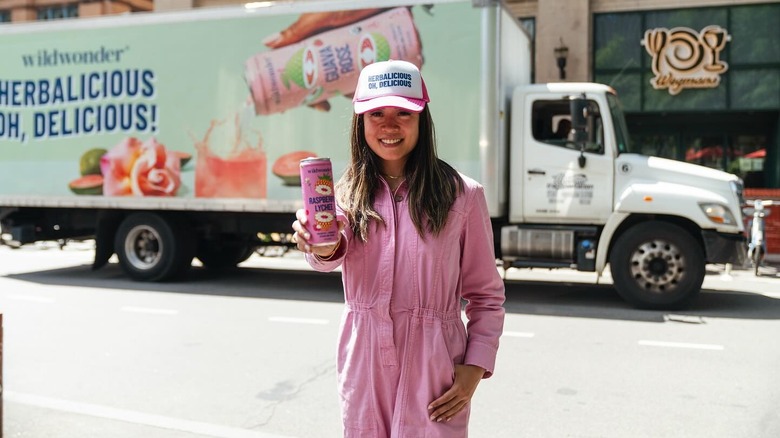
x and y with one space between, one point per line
416 239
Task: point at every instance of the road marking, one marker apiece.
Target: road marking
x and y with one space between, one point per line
681 345
149 310
196 427
298 320
518 334
32 298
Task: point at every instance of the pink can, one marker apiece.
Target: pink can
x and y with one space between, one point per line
319 200
329 63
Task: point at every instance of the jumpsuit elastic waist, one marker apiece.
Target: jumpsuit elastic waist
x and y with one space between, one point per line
415 312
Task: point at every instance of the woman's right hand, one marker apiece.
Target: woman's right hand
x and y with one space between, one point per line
302 235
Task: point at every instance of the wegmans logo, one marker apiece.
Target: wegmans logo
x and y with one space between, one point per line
684 58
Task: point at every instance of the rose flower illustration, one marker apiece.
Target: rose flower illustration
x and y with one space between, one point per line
135 168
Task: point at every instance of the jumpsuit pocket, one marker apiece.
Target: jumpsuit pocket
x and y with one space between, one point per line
354 377
453 338
431 374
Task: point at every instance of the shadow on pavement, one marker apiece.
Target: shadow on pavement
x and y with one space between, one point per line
242 282
532 297
585 300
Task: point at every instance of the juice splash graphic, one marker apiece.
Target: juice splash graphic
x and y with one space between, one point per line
238 172
329 63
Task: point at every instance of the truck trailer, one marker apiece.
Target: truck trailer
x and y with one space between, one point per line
170 136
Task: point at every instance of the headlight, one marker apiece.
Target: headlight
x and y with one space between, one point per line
718 214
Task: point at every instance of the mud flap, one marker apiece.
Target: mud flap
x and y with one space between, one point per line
725 248
107 224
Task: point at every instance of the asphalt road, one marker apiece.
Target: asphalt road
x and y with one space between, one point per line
250 353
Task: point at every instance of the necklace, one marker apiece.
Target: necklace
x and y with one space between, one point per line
391 176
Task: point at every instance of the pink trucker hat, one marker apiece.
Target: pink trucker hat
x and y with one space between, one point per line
390 83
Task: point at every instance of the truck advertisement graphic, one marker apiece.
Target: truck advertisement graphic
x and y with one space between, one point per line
213 108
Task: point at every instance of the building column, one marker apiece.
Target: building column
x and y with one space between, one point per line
567 22
21 14
173 5
93 9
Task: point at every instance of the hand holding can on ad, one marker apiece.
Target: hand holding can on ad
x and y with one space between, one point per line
312 23
326 60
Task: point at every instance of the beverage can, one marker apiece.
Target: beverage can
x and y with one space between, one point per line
319 200
329 63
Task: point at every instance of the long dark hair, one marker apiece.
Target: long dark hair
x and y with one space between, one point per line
433 184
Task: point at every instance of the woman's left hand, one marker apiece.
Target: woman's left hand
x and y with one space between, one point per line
467 378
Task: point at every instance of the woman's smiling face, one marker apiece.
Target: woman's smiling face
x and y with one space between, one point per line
392 134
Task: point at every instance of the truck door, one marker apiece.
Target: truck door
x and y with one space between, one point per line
557 188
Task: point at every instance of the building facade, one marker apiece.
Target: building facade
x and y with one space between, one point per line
16 11
699 80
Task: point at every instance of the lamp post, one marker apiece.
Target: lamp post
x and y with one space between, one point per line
561 52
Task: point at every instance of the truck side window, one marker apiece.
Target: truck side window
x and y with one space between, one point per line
551 122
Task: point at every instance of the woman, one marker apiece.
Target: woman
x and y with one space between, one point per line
416 239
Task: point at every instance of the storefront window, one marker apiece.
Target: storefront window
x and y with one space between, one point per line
754 34
730 119
661 100
748 163
692 18
58 11
529 25
616 37
756 88
628 84
706 150
752 54
657 145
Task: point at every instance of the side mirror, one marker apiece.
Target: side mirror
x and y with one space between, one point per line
578 107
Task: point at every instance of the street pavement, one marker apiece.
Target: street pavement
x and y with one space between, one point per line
570 354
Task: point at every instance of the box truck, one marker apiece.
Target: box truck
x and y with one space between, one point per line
170 136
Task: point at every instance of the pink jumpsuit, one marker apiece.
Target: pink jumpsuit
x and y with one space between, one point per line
402 332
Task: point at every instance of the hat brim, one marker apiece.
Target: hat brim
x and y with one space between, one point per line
414 105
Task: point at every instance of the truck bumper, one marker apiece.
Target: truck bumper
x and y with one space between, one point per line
724 248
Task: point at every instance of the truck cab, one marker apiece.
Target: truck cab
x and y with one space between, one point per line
579 197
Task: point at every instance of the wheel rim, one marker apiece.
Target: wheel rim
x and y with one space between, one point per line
143 247
658 266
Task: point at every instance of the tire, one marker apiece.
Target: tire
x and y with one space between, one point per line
153 248
657 265
223 256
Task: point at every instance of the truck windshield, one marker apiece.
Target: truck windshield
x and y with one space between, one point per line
619 120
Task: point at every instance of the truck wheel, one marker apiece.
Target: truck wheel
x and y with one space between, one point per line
216 256
657 265
152 248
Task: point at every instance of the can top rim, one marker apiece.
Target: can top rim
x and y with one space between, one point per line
311 159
